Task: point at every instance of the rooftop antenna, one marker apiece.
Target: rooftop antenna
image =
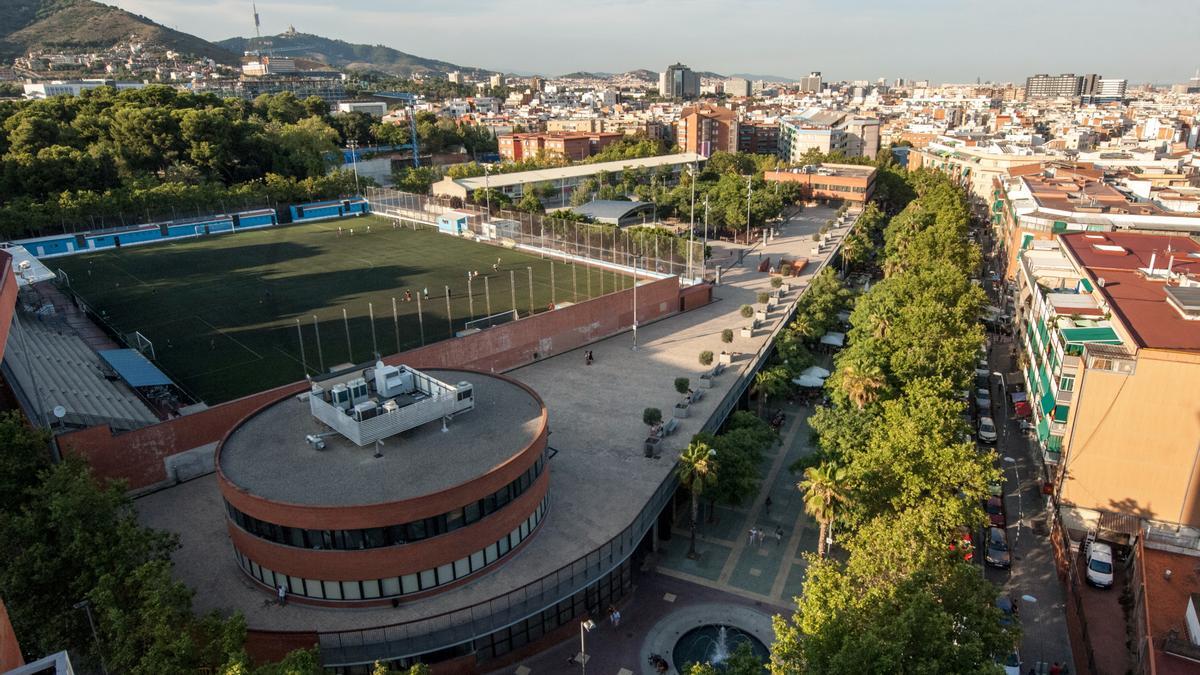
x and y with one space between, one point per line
257 25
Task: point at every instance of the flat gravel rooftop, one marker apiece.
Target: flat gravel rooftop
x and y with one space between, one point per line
269 457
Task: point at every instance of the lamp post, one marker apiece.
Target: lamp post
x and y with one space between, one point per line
635 305
585 627
354 161
487 189
693 170
86 606
749 189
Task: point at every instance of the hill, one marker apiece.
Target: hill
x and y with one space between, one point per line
341 54
78 25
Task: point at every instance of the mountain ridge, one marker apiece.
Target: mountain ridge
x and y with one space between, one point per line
78 25
342 54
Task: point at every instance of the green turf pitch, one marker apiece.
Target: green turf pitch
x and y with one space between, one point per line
221 311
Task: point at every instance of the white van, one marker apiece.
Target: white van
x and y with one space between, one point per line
1100 565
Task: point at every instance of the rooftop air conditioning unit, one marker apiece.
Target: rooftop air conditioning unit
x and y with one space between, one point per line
339 396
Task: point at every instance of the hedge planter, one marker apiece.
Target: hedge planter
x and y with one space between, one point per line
706 381
681 410
726 359
747 332
760 315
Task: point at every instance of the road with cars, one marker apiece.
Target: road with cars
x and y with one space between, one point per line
1030 588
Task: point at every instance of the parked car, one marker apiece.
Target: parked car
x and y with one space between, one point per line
983 401
1012 664
987 430
1100 565
996 489
1008 610
995 511
998 554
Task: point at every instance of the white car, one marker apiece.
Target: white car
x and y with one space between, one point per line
1012 664
987 430
1100 565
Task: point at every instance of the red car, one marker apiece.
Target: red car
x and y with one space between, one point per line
995 511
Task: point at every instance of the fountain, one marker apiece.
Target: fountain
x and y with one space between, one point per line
720 651
714 644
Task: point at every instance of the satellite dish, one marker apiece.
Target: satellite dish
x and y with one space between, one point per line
60 412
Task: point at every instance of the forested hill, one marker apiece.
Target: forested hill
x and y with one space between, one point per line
341 54
76 25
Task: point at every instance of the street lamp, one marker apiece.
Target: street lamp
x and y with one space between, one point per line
1017 475
692 170
354 161
635 305
487 189
749 189
86 606
584 628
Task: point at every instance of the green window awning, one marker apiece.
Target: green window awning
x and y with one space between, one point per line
1043 333
1101 334
1047 404
1059 227
1054 444
1043 429
1061 412
1087 284
998 206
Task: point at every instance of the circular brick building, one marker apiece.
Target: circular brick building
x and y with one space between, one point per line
385 483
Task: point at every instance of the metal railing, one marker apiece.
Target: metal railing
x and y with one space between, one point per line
362 646
663 253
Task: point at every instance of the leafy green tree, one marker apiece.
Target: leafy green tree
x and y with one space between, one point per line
530 203
773 381
417 180
303 149
697 472
26 453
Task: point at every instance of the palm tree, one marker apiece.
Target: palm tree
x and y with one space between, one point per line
770 382
823 487
861 383
696 471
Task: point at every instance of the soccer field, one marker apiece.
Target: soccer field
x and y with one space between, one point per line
222 311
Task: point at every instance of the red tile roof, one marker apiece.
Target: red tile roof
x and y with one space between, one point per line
1138 302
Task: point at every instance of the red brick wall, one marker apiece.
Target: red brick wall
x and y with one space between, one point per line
137 456
10 649
265 646
8 297
694 296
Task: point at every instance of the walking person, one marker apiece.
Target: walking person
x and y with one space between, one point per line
778 535
282 592
616 618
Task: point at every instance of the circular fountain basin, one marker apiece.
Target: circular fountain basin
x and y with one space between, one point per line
714 643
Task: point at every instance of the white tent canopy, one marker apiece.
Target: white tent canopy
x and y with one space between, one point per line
833 339
808 381
815 371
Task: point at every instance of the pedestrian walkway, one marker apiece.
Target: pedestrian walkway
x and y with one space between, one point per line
772 567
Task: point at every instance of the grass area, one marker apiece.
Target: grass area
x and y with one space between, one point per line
222 311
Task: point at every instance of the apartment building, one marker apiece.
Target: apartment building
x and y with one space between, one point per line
1109 331
1038 202
678 81
974 166
1066 85
706 129
569 145
828 131
760 138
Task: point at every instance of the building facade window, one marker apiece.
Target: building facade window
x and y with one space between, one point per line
392 535
371 589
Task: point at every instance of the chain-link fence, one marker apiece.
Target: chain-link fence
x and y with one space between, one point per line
652 249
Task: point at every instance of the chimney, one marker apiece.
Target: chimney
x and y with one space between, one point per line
1153 256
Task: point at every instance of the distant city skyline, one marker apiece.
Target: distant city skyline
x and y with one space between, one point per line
943 41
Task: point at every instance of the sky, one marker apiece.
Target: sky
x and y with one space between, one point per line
939 40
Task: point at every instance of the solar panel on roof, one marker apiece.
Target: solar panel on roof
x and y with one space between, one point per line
1186 297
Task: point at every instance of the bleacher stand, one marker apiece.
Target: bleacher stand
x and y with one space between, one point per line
50 366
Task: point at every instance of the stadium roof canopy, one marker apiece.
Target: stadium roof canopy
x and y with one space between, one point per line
134 368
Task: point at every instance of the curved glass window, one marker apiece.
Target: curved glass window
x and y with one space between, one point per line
374 589
392 535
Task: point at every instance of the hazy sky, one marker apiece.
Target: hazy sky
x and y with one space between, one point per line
941 40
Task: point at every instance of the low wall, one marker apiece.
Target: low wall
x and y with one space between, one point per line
141 457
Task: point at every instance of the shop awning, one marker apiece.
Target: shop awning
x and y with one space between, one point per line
833 339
